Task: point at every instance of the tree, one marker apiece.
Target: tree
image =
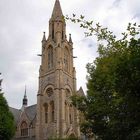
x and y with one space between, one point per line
7 126
112 105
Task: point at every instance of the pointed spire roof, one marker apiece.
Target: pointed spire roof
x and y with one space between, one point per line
44 37
70 39
57 11
81 92
25 100
25 96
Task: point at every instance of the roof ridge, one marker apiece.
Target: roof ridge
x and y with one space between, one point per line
31 105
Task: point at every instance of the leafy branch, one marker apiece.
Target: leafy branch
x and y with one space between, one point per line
103 34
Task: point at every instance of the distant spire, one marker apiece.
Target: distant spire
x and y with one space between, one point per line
57 11
70 40
25 96
25 100
44 37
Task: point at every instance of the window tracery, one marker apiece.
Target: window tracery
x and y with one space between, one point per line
24 129
49 92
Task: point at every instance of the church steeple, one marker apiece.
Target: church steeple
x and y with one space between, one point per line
57 82
57 25
57 11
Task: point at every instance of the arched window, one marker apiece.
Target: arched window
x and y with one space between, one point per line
24 129
70 114
66 112
66 60
50 57
52 111
49 92
46 112
52 30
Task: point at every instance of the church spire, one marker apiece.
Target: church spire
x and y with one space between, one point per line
57 25
57 11
25 100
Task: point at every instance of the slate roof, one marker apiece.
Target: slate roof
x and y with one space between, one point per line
16 113
29 110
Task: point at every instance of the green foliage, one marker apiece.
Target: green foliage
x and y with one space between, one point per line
112 105
7 127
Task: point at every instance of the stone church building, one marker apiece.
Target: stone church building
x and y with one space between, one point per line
53 115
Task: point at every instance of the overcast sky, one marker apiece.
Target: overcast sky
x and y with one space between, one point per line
22 23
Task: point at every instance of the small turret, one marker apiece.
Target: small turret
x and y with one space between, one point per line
44 37
70 39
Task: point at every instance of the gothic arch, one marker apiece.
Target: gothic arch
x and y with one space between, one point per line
52 109
68 87
49 90
24 128
46 109
50 57
66 59
69 111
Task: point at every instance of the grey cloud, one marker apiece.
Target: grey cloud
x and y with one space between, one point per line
116 3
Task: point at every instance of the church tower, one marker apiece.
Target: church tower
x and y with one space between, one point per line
56 116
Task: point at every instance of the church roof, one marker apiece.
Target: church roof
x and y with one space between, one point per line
30 112
80 92
16 113
57 11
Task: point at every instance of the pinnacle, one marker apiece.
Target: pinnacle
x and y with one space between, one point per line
70 39
44 37
57 11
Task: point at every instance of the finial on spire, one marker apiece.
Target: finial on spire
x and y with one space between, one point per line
44 37
70 39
